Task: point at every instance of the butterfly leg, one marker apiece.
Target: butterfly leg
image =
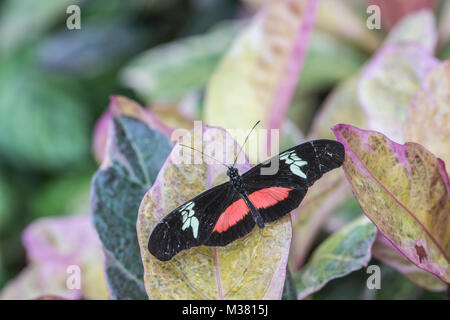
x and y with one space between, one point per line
255 213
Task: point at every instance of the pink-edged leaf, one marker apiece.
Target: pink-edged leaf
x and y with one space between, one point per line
405 191
262 68
100 136
60 240
120 105
384 251
252 267
53 245
428 116
37 280
418 28
389 82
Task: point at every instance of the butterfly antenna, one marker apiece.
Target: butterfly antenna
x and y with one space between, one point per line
183 145
245 141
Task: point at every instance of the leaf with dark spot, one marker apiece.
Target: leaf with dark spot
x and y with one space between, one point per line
405 191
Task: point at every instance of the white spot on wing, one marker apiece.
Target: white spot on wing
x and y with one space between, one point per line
189 220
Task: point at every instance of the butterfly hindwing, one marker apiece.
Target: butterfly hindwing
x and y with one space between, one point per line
281 207
234 222
190 224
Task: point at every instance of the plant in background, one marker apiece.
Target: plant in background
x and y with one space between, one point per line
387 102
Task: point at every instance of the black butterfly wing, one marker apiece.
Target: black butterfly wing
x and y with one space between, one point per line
190 224
299 166
220 215
275 195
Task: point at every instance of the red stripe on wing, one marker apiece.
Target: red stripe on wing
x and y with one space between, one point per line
238 210
268 197
235 212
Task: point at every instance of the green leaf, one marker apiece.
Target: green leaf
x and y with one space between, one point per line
342 253
252 267
444 54
289 290
328 193
67 194
6 202
350 287
405 191
42 125
344 20
135 155
169 71
394 286
444 23
328 60
24 20
346 213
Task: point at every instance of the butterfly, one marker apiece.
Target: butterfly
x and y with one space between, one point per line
231 210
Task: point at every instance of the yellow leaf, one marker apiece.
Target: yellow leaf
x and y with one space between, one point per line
252 267
405 191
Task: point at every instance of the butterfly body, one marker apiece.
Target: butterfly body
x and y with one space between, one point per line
231 210
235 179
239 187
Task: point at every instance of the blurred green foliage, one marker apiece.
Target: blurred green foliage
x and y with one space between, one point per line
55 83
395 286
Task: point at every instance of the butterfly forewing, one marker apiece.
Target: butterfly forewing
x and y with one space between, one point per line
190 224
298 168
